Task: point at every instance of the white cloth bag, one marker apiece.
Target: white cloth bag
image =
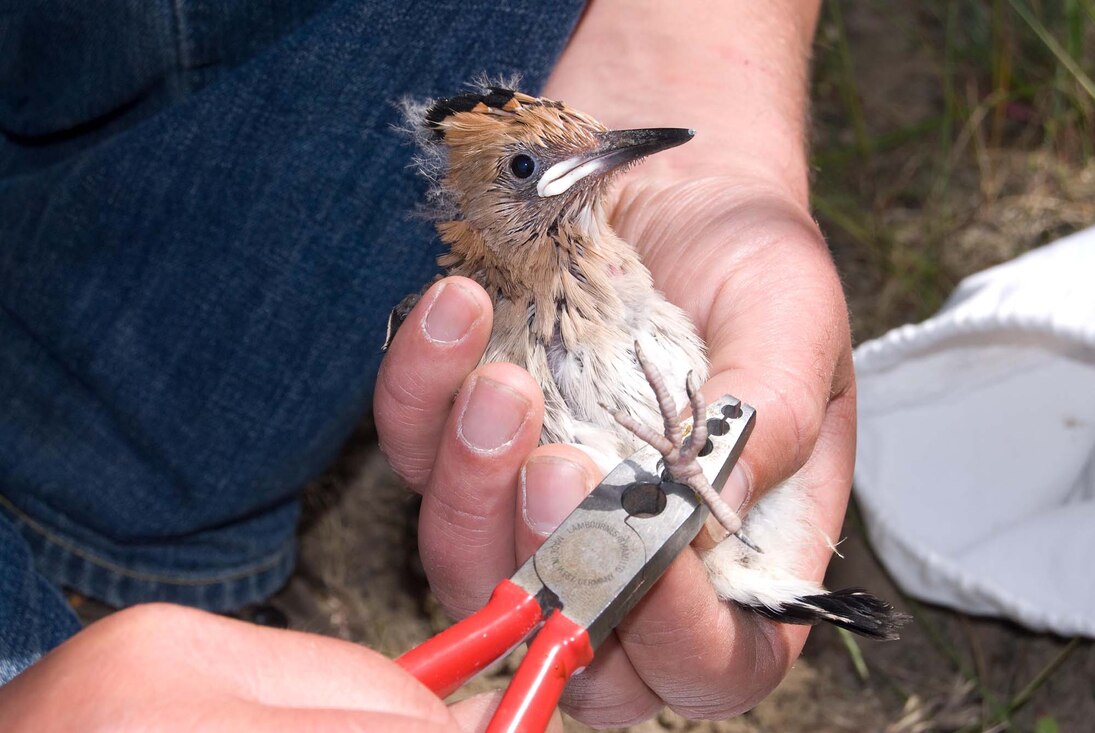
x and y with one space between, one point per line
976 461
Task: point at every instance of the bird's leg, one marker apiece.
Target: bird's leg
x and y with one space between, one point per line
681 455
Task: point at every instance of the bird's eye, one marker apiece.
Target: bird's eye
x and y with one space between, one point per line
522 166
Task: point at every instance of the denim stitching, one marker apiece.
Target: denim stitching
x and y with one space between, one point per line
64 544
182 48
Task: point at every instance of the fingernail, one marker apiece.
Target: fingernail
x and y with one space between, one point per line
711 534
735 492
492 415
452 314
550 489
737 488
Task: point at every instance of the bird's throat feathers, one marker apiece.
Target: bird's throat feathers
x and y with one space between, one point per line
569 276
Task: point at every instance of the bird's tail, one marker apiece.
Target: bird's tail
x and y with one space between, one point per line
769 582
853 609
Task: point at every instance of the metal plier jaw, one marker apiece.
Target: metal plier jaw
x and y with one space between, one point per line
584 579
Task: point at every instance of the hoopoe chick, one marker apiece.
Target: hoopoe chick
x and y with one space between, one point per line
518 191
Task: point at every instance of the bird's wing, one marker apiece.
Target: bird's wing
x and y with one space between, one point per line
400 312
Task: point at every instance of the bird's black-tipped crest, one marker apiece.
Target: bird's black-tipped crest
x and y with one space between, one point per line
492 97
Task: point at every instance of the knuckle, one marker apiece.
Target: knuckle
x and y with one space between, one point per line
470 512
138 627
726 697
607 711
802 401
673 632
409 424
412 464
409 444
735 646
601 699
468 526
149 616
403 386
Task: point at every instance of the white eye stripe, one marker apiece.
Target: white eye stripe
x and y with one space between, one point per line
560 177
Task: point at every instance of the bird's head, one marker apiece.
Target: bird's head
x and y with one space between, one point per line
512 165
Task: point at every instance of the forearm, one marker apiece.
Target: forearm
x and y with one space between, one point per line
736 71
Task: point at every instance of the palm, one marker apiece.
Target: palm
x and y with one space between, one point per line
704 220
750 268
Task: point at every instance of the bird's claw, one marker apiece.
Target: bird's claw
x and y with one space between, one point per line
681 454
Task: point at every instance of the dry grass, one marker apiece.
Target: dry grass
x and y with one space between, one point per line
947 138
950 136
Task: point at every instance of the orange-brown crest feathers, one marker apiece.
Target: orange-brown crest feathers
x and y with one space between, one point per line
505 116
493 98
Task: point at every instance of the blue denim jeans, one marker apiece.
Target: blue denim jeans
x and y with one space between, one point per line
205 214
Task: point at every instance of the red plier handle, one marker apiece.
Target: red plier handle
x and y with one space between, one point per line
457 654
583 580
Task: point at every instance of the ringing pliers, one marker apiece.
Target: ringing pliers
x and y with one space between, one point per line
584 579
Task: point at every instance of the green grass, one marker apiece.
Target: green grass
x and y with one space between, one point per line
990 107
1003 75
998 709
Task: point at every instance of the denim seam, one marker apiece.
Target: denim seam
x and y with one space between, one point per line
42 530
182 47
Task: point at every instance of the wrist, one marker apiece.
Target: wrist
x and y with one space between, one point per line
735 72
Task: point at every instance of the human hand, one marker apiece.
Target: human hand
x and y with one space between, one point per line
762 291
724 227
169 668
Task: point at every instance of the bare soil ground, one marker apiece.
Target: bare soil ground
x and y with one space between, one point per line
922 178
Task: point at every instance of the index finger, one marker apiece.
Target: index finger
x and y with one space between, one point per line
440 342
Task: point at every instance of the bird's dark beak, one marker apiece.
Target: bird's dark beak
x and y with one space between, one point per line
617 148
620 147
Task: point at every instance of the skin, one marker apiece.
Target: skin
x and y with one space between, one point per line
167 668
724 226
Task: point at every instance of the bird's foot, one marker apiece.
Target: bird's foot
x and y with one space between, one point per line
679 453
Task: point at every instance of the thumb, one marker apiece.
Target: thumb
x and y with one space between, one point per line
554 480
